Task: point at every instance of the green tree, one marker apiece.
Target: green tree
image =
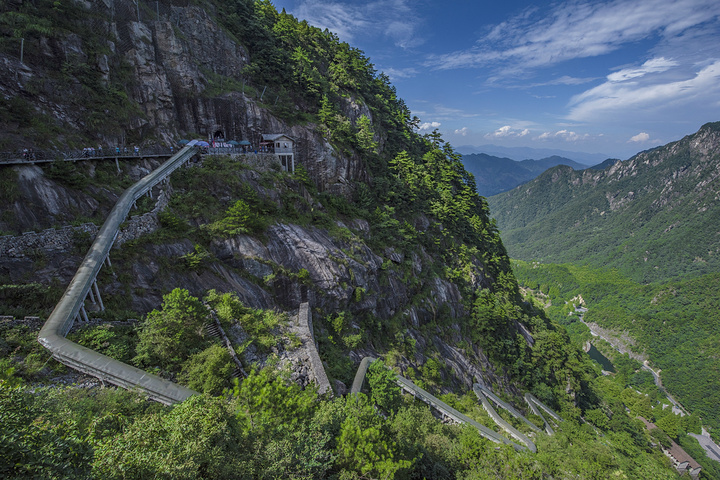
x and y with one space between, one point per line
365 134
266 401
171 335
384 390
364 445
670 424
200 438
208 371
31 446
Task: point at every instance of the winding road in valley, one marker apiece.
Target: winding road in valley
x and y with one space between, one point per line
677 406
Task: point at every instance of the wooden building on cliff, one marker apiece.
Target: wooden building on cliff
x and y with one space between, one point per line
282 146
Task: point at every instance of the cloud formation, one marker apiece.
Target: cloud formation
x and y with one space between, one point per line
574 30
429 126
462 131
655 65
566 135
394 19
508 131
639 138
636 92
396 73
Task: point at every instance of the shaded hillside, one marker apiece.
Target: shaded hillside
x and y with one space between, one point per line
494 174
653 216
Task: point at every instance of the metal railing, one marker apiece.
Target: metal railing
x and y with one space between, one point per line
46 156
483 395
536 405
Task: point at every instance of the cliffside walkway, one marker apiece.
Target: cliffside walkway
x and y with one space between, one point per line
72 307
452 413
484 394
536 406
72 304
47 156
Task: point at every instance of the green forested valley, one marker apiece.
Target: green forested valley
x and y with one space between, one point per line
674 324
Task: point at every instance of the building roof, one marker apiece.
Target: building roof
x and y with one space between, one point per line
271 137
679 454
676 451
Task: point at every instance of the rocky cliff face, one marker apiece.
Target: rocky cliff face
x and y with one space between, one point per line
183 74
343 274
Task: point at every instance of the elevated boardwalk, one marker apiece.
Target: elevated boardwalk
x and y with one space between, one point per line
13 158
484 394
71 305
436 403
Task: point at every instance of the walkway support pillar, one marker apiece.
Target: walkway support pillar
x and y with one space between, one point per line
92 296
97 292
84 313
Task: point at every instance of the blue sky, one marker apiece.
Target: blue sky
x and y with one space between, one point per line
612 77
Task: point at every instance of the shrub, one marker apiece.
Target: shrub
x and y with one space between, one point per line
385 392
208 371
171 335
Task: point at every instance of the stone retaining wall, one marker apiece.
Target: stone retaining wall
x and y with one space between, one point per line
51 239
64 238
306 333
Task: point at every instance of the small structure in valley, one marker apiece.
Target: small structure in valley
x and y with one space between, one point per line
282 146
682 461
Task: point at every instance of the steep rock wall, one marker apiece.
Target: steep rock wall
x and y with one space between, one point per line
184 73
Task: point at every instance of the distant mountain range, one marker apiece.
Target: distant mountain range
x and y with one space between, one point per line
524 153
654 216
494 175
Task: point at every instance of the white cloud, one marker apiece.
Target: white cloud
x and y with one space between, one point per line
572 30
429 126
655 65
566 135
396 73
639 138
508 131
462 131
564 80
646 97
394 19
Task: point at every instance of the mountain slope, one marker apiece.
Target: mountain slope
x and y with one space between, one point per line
495 174
521 153
653 216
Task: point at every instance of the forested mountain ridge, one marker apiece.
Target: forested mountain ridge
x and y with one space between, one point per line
379 228
653 216
495 174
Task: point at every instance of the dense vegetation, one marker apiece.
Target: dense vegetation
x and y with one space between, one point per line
652 217
417 198
267 427
674 323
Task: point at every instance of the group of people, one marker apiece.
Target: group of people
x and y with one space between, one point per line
92 152
28 154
